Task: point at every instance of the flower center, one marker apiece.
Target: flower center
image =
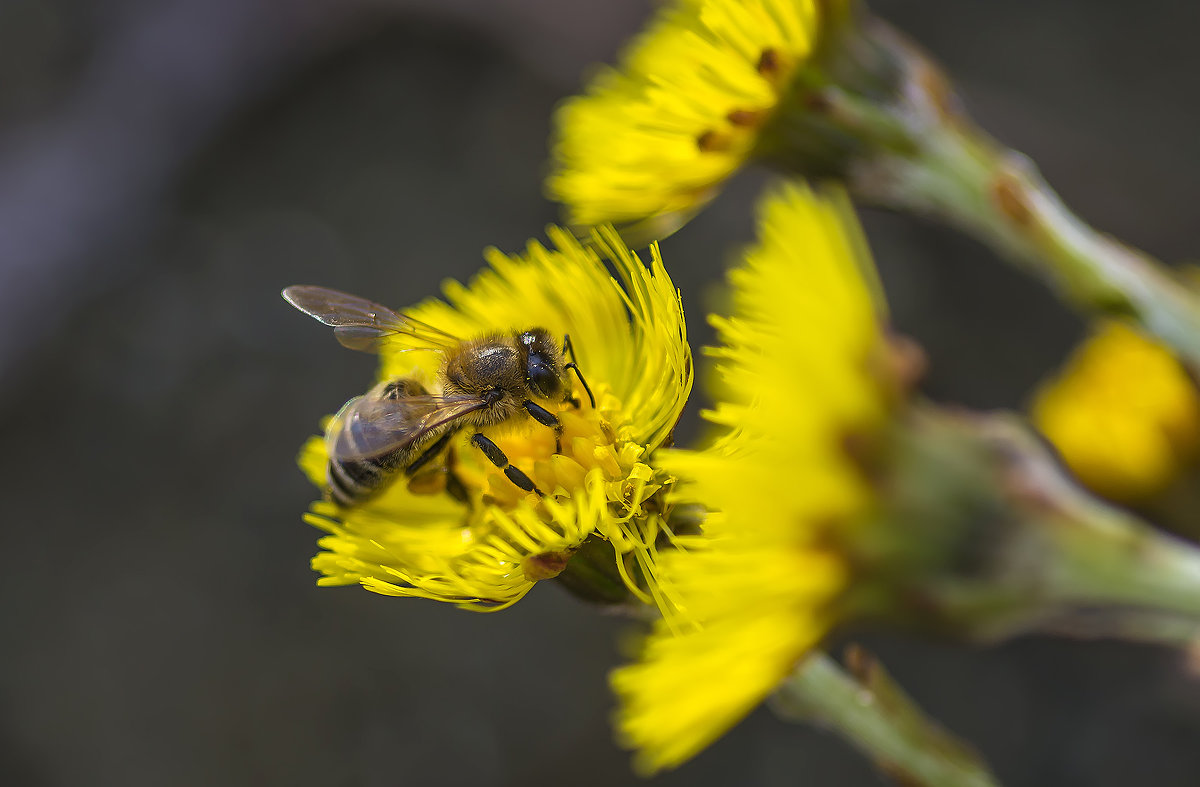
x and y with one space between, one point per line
558 464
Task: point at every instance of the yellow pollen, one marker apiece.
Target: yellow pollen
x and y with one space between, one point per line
586 443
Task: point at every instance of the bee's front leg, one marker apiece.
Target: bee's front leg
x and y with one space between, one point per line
546 418
500 460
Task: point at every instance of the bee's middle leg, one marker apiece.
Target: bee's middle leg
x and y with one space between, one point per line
547 418
454 485
428 453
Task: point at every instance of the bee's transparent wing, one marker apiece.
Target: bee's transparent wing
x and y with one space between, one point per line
368 427
361 324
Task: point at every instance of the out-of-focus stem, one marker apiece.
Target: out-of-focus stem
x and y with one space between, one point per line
870 711
960 175
1110 557
876 112
1128 625
985 537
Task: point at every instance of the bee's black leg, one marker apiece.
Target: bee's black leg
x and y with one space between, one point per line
429 453
547 418
500 460
456 489
454 485
569 351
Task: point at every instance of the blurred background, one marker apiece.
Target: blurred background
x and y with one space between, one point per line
167 166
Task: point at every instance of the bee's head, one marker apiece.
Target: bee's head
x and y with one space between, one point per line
543 363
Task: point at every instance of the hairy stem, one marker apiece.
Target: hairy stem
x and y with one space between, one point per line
876 112
985 537
870 711
961 176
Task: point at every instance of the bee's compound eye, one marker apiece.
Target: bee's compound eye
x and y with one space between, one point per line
541 363
543 378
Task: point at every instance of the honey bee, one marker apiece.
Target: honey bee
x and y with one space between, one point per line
400 427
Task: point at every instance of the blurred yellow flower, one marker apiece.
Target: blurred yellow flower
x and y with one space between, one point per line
486 553
650 142
798 380
1123 414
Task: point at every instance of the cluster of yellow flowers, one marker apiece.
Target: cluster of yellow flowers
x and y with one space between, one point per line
746 597
743 545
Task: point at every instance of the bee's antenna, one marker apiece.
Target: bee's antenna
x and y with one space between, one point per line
569 350
575 368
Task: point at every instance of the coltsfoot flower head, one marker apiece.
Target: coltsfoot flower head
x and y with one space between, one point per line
833 495
798 376
1123 413
487 544
652 140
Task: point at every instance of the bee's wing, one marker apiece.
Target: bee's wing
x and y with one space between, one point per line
368 427
361 324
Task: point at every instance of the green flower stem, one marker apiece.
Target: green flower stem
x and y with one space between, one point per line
877 113
1111 558
961 176
1132 626
591 575
983 536
872 713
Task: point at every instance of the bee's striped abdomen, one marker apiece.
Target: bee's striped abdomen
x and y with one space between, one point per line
353 481
358 468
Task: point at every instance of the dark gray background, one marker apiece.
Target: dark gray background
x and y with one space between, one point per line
166 166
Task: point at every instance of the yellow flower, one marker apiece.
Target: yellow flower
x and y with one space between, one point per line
653 140
629 337
1123 413
797 378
